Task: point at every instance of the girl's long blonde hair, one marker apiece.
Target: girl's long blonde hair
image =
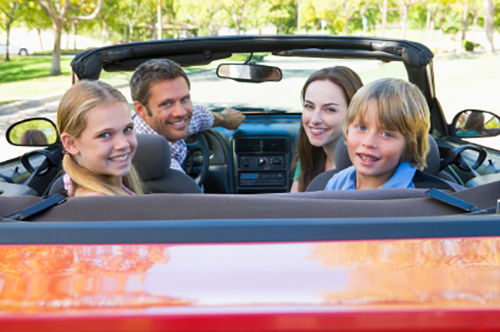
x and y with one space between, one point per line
72 119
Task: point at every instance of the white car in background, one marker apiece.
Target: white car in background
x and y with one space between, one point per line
15 49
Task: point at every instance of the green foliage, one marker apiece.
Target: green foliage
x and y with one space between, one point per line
468 46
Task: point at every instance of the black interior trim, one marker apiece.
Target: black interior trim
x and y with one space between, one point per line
248 230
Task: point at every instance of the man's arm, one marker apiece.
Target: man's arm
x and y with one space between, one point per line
229 118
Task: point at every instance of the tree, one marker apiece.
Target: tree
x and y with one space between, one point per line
259 15
11 10
284 15
61 12
238 11
35 18
405 7
208 14
489 12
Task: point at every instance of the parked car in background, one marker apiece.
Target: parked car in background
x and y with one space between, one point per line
248 255
15 49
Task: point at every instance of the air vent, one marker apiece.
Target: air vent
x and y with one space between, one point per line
275 145
248 145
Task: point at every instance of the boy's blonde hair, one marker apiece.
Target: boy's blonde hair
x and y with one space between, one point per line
401 107
72 119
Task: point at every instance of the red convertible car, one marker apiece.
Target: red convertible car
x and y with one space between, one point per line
246 254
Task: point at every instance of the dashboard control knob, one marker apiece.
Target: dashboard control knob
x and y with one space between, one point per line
245 161
277 161
261 161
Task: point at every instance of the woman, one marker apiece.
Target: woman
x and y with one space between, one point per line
325 97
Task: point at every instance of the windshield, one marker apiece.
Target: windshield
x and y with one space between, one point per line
211 91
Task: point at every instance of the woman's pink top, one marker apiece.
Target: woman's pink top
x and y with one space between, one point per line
68 183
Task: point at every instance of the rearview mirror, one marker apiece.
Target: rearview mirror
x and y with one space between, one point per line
249 72
32 132
475 123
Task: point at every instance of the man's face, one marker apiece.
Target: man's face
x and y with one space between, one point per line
170 107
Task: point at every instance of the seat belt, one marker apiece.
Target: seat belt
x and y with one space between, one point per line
453 201
425 180
34 209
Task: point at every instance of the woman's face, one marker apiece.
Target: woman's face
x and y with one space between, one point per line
325 109
108 142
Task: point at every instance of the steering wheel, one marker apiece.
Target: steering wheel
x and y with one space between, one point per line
198 142
455 157
48 163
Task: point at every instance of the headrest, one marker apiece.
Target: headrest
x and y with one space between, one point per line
152 156
433 160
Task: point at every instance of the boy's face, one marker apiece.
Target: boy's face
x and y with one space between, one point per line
374 151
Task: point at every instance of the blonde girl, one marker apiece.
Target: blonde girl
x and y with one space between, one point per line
99 141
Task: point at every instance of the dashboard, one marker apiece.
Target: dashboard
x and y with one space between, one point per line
255 158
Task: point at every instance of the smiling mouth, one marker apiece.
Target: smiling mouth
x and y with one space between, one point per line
317 130
367 158
120 158
180 123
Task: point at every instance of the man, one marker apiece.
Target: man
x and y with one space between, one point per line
160 91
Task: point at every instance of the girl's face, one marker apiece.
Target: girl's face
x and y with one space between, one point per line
325 109
374 151
107 144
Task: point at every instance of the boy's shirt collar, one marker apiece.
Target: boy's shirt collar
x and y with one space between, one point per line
346 179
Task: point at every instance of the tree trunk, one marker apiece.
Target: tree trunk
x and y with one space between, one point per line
441 22
67 39
56 54
489 11
131 31
384 17
7 28
104 32
474 26
404 19
153 31
346 30
74 34
39 31
464 21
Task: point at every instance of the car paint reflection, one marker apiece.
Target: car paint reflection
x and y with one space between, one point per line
435 273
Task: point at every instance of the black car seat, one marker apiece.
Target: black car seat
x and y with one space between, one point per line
152 161
343 161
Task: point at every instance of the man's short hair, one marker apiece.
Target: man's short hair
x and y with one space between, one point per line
150 73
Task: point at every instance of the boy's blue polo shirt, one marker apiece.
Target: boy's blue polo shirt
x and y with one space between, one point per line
346 179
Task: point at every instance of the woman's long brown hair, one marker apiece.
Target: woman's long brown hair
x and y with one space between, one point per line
312 159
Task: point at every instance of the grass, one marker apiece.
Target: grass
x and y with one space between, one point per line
29 67
27 78
63 52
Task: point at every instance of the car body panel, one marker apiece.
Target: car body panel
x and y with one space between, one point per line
445 283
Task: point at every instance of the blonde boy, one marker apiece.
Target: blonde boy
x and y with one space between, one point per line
385 130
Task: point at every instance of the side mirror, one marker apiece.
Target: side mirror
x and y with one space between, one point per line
32 132
475 123
249 72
